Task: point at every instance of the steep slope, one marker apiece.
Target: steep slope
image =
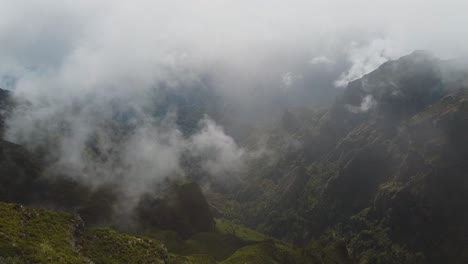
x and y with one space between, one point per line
380 177
383 168
5 107
38 236
103 245
18 171
182 208
42 236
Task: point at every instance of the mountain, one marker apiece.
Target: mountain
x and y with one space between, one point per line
383 168
41 236
5 107
378 177
44 236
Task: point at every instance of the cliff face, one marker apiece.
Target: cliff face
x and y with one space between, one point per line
410 178
182 208
383 167
18 168
5 106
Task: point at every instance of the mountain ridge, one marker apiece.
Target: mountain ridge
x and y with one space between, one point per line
379 177
371 165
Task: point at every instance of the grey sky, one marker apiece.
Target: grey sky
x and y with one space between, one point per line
105 43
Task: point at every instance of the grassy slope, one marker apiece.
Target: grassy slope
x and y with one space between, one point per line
233 244
104 245
37 236
219 244
265 252
44 236
224 226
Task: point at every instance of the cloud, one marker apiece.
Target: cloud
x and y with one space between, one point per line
93 71
289 79
366 58
367 103
219 152
90 44
321 60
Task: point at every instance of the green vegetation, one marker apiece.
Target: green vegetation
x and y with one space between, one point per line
317 252
372 244
229 208
37 236
219 244
104 245
391 187
45 236
326 251
225 226
194 259
263 253
318 174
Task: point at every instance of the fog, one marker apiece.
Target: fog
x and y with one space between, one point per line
94 71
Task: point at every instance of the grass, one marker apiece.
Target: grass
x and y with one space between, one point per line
225 226
36 236
214 244
219 245
193 259
44 236
264 253
391 187
326 252
104 245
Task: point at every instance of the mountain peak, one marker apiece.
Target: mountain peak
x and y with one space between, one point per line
420 54
400 86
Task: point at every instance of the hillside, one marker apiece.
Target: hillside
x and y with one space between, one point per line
43 236
383 168
379 177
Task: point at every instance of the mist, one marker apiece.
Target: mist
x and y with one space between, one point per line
105 74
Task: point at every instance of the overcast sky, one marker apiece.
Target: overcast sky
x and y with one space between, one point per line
248 44
258 55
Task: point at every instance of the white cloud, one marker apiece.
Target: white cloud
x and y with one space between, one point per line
366 58
288 79
367 103
219 151
91 44
321 60
64 53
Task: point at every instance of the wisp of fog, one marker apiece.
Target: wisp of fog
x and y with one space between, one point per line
100 84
